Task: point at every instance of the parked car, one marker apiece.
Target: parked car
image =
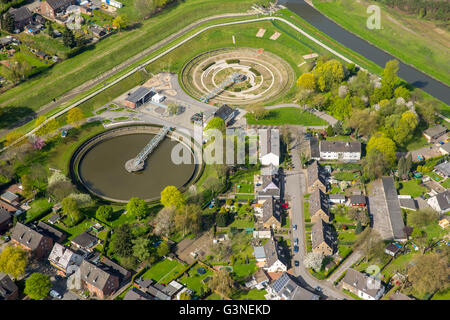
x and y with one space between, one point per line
6 238
296 263
294 227
319 289
55 294
296 241
295 248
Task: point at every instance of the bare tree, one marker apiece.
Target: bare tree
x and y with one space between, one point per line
164 221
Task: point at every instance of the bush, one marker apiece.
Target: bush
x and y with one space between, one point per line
207 66
256 72
230 61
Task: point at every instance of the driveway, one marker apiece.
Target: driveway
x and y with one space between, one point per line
60 285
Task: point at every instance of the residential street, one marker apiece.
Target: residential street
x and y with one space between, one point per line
295 188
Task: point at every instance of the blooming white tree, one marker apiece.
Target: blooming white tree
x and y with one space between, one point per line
313 260
57 176
82 199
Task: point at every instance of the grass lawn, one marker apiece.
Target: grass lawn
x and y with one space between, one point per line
446 183
442 295
241 223
434 176
195 280
398 264
253 294
214 296
345 138
75 230
347 237
244 188
288 115
39 207
412 188
346 175
242 270
163 270
407 37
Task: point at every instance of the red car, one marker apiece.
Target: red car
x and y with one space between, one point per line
284 205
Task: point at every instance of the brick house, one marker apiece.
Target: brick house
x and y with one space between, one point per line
5 220
51 8
362 285
316 177
271 214
97 281
322 238
318 207
22 17
36 243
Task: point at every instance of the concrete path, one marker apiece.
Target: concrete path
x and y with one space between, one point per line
353 258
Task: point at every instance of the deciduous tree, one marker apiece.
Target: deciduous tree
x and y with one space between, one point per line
172 197
13 261
37 286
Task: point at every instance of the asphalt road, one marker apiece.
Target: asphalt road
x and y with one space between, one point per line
295 188
410 74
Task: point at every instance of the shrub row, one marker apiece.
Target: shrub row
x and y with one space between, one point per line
230 61
256 72
207 66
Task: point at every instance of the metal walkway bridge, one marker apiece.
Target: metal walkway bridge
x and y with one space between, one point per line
234 78
137 163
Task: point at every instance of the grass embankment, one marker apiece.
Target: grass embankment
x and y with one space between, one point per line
113 50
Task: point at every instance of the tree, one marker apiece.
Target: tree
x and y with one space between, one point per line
406 127
214 184
185 296
12 137
307 81
358 228
121 242
222 219
8 22
375 165
422 218
28 186
370 243
68 38
402 92
37 286
18 70
258 111
383 144
188 219
137 208
50 29
70 208
172 197
328 74
13 261
222 282
163 249
120 22
104 213
215 123
313 260
74 116
359 120
172 108
430 273
428 110
389 78
59 190
141 248
164 222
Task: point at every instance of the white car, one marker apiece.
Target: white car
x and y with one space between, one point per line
55 294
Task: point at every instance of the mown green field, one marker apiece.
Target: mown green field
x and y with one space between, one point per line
288 115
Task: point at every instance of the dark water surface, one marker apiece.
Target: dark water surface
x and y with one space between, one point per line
410 74
102 168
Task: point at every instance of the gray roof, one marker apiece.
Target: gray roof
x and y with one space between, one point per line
136 294
4 215
410 204
446 147
316 172
56 4
318 200
314 147
54 218
224 112
340 146
94 275
399 296
358 198
259 252
271 251
271 140
21 14
53 233
271 208
436 131
393 206
286 288
337 196
443 199
64 257
26 236
392 248
359 281
140 93
270 186
114 268
149 287
7 286
444 167
85 240
321 232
